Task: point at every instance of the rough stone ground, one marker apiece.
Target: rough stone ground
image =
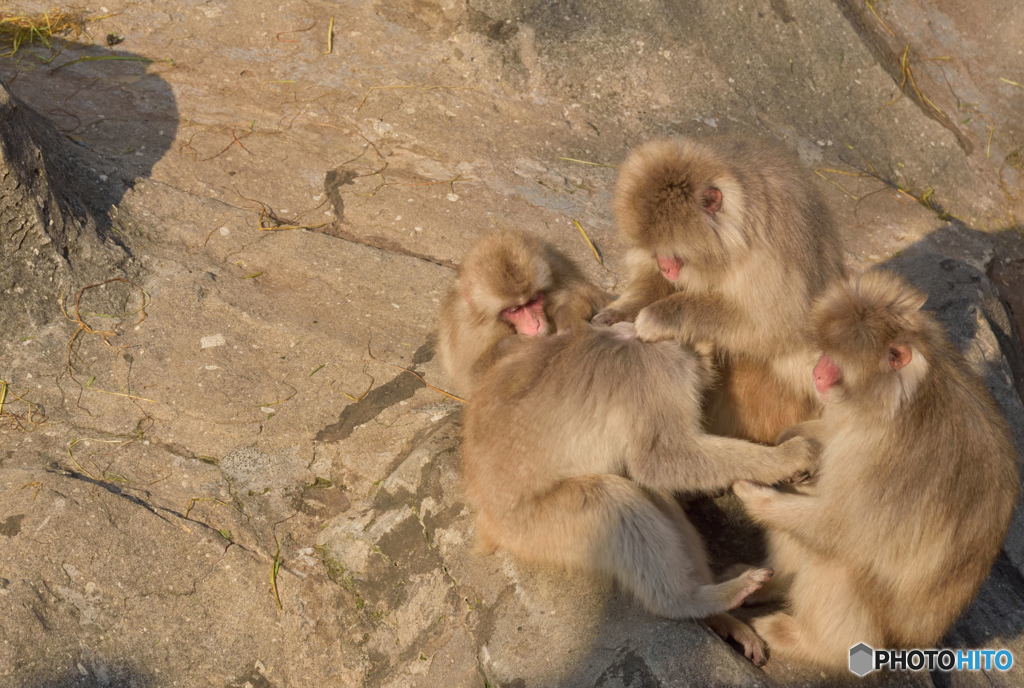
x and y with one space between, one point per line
248 409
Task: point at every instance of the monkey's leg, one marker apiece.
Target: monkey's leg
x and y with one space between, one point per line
827 619
609 523
725 625
783 554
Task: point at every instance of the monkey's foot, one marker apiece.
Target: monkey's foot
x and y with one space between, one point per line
727 626
779 630
749 582
772 591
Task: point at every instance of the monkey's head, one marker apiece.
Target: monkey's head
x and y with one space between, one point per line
678 202
875 340
505 277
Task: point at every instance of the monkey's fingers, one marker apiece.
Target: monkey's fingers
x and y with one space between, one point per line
608 316
730 628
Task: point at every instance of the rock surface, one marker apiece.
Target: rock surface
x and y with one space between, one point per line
217 473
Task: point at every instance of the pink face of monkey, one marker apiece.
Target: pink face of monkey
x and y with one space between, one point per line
528 318
669 263
828 374
670 267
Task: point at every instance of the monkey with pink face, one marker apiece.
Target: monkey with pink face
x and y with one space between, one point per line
510 283
913 494
575 437
729 242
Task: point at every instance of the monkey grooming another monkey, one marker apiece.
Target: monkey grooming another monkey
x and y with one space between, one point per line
573 443
729 242
914 492
510 282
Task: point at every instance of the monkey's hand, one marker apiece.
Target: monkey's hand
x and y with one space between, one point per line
654 324
797 455
609 316
755 497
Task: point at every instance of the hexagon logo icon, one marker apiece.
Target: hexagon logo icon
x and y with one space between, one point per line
862 659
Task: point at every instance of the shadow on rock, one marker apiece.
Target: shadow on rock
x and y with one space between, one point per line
113 103
78 127
92 673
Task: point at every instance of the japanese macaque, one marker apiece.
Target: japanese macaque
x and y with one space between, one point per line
573 444
510 282
728 244
914 491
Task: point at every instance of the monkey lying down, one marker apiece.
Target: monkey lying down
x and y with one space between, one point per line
574 442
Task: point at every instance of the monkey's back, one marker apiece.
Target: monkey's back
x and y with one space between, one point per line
572 404
936 497
787 210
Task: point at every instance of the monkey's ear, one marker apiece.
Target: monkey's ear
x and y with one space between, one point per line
711 199
899 356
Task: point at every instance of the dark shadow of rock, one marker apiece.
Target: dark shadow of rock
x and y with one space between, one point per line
91 672
76 131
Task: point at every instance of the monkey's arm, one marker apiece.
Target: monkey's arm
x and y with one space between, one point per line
691 317
573 307
645 287
710 463
813 429
799 515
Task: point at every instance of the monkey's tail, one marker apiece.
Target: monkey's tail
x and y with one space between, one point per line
609 523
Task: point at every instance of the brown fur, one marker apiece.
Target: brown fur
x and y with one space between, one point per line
914 493
501 270
573 445
750 269
735 406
